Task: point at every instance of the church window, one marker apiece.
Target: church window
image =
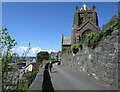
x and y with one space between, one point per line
85 33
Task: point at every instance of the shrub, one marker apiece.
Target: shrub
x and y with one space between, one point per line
89 41
108 31
74 48
100 34
117 22
61 52
93 38
69 50
25 85
80 45
29 78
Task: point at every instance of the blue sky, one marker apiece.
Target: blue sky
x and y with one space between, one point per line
42 24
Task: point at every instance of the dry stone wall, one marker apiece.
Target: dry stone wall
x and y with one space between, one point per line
101 62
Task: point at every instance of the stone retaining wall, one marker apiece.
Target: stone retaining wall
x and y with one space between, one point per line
101 62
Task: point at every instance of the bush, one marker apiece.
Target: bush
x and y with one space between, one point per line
80 45
108 31
93 38
117 22
69 50
100 34
74 48
29 78
89 41
26 85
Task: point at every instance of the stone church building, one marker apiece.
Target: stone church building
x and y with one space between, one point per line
85 21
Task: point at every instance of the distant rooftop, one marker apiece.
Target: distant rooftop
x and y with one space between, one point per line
67 41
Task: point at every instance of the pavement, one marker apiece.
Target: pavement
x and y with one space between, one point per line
66 78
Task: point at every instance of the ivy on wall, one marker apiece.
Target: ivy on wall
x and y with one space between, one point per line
93 38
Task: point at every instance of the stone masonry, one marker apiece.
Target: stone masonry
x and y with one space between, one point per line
101 62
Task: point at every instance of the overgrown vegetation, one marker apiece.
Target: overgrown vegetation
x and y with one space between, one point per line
90 40
6 45
10 73
93 38
80 45
69 50
29 78
112 20
74 48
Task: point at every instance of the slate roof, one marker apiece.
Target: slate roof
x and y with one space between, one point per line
66 40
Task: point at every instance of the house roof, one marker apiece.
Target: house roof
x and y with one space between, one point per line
66 40
90 23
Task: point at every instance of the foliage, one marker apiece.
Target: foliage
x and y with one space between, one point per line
116 23
69 50
74 48
42 56
6 45
29 78
110 29
6 56
107 31
63 52
112 20
80 45
26 51
89 40
93 38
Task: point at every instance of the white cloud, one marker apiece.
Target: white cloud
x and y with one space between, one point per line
33 51
49 51
22 48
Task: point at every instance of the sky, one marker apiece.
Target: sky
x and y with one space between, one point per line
43 23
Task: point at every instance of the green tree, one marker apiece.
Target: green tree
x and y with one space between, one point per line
6 45
42 56
7 57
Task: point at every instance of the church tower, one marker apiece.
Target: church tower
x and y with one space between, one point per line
85 21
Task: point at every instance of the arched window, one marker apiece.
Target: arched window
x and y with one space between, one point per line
86 32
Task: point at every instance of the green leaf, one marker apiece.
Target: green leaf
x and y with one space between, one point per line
5 28
3 32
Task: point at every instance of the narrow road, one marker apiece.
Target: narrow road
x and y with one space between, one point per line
65 78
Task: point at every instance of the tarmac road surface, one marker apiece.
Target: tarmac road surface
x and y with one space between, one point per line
65 78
